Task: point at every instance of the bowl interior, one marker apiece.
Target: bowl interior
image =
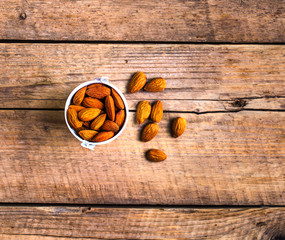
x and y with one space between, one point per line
69 102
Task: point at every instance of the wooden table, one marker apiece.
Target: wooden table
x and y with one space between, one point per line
224 63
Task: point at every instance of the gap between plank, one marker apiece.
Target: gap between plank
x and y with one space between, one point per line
50 235
136 42
140 206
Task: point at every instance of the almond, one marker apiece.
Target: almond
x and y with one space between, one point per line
98 122
149 132
103 136
77 108
155 85
81 128
178 126
78 97
137 82
86 124
110 126
143 111
87 134
155 155
117 100
88 114
92 103
110 108
98 91
156 112
120 117
93 85
73 119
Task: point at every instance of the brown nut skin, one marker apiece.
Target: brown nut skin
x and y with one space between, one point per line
98 121
155 155
110 126
88 114
103 136
149 132
155 85
98 91
117 100
156 112
120 117
178 126
137 82
87 124
87 134
110 108
72 118
143 111
77 108
79 96
81 128
92 103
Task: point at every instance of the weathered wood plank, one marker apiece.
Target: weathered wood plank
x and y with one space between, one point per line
200 78
141 223
224 158
116 20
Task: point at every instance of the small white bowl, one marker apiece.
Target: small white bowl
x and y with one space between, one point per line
84 143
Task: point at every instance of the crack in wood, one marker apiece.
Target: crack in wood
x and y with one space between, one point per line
51 235
15 40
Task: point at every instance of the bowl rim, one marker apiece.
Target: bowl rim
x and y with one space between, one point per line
102 80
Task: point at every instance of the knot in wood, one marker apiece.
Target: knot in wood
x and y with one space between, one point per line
239 103
23 16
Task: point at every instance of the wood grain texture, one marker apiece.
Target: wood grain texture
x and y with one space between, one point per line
200 78
116 20
221 159
141 223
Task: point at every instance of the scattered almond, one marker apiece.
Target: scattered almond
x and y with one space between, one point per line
156 112
149 132
73 119
92 103
120 117
155 85
137 82
143 111
98 122
78 97
178 126
110 107
98 91
117 100
110 126
155 155
87 134
88 114
103 136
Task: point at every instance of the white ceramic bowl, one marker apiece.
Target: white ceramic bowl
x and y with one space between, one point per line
84 143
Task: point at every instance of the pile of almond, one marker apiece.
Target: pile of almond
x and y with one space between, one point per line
144 111
97 112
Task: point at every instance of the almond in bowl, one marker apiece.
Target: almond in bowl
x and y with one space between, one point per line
96 113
